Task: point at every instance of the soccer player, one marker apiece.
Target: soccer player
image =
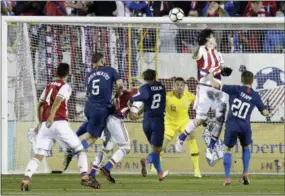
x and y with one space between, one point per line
99 84
114 134
177 117
242 101
207 57
153 95
52 115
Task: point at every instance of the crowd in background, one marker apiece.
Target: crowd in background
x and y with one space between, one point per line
143 8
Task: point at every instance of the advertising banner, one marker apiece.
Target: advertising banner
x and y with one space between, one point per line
267 152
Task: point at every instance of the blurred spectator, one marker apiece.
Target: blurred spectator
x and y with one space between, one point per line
122 9
213 9
240 7
270 7
6 8
139 8
229 6
255 9
56 8
162 8
281 9
77 8
274 42
29 8
248 41
103 8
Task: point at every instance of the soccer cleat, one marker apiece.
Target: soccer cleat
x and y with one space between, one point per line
25 185
91 182
67 159
105 172
197 174
245 180
162 175
143 165
84 180
179 146
227 182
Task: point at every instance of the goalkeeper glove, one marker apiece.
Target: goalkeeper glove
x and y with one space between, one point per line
226 71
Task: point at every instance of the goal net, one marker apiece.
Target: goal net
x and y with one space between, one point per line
35 49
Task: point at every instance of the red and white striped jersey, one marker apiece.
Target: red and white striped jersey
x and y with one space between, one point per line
54 89
206 59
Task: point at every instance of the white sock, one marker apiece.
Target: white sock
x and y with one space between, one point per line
82 162
100 156
118 155
32 167
191 126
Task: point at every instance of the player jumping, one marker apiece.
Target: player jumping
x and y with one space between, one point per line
242 100
52 115
177 117
114 134
207 98
153 95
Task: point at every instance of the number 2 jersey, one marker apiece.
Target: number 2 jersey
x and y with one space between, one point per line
54 89
153 95
99 83
242 101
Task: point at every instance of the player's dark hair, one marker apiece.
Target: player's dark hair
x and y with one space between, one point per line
62 70
247 77
96 57
179 79
149 75
203 35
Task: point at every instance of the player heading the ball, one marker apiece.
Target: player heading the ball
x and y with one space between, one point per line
242 101
153 95
53 125
207 57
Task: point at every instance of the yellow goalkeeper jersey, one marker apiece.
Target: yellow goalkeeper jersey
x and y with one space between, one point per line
177 109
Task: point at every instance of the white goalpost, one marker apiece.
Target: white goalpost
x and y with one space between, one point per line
33 46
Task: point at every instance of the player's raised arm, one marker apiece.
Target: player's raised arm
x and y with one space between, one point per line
261 107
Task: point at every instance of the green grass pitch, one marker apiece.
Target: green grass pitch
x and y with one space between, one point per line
68 184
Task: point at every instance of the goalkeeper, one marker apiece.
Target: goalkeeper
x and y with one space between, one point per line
178 102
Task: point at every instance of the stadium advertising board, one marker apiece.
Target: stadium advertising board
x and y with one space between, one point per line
267 152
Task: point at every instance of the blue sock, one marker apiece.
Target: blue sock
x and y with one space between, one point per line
109 165
245 159
156 162
82 129
227 164
183 136
149 158
93 171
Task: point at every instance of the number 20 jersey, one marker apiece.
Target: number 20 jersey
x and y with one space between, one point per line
54 89
99 83
242 101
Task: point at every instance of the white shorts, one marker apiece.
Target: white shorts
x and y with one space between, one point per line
207 98
59 131
118 133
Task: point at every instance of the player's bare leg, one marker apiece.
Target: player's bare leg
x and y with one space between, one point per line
192 125
30 170
227 165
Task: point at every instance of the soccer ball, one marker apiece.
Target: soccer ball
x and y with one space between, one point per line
176 14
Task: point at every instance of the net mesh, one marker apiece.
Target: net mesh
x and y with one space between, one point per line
34 51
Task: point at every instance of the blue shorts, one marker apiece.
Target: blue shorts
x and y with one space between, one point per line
154 130
237 130
97 116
